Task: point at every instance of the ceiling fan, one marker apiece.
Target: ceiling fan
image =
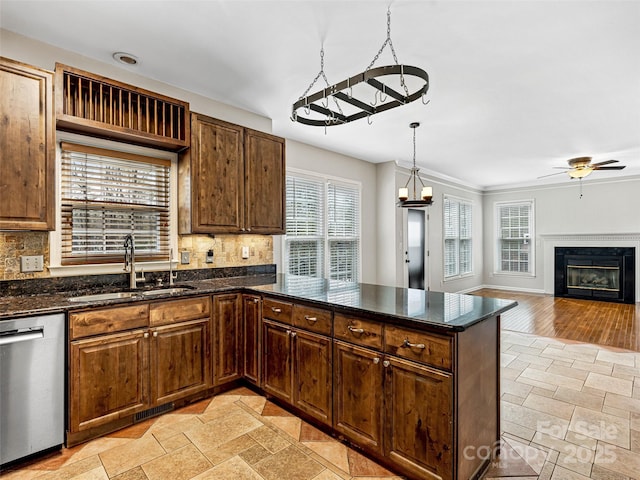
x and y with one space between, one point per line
580 167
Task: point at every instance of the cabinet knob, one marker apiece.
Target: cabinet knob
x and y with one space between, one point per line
288 332
242 229
248 229
386 363
310 319
376 360
155 334
293 334
146 335
256 300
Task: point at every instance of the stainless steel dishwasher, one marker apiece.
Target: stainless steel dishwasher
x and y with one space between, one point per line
32 383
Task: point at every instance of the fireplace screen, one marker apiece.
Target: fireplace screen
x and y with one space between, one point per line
593 278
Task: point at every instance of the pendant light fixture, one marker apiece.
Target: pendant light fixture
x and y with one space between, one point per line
426 193
361 95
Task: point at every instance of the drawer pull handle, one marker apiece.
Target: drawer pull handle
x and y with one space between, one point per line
276 310
355 330
408 344
310 319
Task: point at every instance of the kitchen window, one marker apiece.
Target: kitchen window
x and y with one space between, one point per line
323 228
106 194
515 231
458 243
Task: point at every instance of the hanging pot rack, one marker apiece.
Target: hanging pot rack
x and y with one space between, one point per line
324 103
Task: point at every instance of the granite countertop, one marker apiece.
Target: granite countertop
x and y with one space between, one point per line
450 311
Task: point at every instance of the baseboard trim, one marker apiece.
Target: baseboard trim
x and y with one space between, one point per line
507 289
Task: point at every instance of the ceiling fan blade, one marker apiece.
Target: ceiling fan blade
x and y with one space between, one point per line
563 168
552 174
606 162
620 167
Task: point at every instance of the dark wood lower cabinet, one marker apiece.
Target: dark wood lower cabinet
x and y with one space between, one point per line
180 363
227 338
312 367
251 337
108 379
277 378
418 432
358 395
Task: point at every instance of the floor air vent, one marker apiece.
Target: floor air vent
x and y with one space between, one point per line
152 412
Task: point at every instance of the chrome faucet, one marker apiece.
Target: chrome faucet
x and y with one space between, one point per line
130 261
172 276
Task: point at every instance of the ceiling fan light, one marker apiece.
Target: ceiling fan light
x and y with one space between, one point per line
580 172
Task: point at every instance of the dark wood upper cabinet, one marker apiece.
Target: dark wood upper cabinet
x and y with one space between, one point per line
93 104
264 183
27 148
231 180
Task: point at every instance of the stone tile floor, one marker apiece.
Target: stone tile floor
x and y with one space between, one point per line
570 411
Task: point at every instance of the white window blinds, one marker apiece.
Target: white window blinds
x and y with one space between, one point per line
107 195
323 228
515 224
458 244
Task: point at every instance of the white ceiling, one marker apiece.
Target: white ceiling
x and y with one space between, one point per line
516 87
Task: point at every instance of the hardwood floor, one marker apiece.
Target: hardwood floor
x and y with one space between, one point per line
600 323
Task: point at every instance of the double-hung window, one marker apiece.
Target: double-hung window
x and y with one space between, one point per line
458 243
515 231
323 228
106 195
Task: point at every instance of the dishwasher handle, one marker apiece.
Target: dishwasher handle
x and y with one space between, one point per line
21 335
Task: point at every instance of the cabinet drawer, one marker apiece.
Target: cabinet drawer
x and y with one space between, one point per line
358 330
423 347
171 311
313 319
276 310
107 320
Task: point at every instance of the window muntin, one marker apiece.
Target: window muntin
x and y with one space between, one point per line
458 242
106 195
515 230
323 228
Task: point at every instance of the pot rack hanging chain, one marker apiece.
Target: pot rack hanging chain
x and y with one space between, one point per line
324 77
389 42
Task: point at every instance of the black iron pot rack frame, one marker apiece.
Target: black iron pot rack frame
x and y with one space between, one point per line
307 103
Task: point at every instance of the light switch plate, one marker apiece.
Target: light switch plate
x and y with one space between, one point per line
31 263
184 258
245 252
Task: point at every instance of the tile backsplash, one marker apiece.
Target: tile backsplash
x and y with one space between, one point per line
227 251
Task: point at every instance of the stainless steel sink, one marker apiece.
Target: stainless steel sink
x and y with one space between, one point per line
165 291
102 296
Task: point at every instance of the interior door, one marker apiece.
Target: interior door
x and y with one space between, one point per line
415 248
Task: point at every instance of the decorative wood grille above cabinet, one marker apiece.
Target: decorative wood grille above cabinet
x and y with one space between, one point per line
96 105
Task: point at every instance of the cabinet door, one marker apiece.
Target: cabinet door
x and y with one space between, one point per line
276 362
418 418
265 183
357 397
251 318
27 162
312 367
108 378
217 176
227 338
180 363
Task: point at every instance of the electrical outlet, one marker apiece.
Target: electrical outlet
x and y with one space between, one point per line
31 263
184 258
209 258
245 252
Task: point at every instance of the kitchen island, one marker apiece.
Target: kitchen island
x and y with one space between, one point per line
407 376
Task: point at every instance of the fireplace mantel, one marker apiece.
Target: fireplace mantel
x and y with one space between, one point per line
552 240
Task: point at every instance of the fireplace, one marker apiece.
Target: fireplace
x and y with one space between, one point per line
597 273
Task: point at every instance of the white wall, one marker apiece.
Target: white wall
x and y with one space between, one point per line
607 207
